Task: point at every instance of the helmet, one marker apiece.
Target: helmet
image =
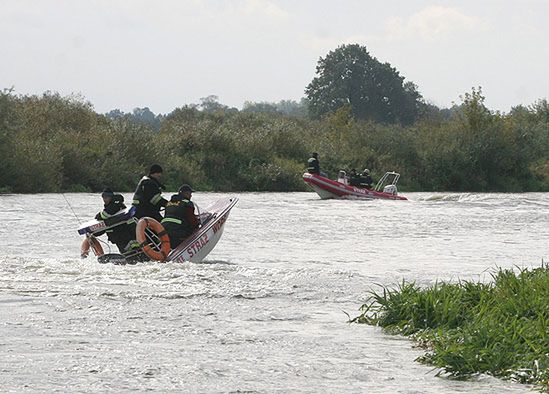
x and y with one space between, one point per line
185 188
366 171
107 193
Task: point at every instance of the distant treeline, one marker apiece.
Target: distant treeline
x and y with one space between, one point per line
51 143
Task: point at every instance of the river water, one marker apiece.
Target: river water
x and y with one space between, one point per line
265 312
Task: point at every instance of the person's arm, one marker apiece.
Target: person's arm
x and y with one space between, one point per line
192 219
153 194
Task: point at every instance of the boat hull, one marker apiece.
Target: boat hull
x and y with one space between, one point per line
200 243
327 188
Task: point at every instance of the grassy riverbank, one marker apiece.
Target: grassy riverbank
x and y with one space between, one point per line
500 328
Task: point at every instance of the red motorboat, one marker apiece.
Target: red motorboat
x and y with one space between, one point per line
326 188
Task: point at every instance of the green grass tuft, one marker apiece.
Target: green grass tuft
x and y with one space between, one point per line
499 328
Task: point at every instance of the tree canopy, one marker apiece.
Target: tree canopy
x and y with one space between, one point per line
52 143
350 76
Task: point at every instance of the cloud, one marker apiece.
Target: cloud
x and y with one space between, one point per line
262 7
432 24
195 15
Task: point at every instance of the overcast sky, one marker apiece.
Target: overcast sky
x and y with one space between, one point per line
164 54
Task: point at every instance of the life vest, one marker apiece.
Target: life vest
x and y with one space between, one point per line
177 211
148 198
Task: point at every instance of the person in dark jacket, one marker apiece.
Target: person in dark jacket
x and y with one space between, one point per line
179 218
122 234
313 165
148 195
354 178
365 179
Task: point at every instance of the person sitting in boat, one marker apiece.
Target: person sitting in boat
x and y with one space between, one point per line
313 166
179 218
148 195
120 235
354 178
365 179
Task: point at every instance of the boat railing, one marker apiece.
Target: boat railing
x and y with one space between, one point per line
386 180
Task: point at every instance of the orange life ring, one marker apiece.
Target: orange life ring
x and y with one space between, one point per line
95 246
153 225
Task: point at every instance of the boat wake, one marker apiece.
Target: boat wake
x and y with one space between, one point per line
461 197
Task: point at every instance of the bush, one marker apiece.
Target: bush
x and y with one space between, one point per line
51 143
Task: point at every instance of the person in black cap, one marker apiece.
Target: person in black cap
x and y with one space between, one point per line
148 195
112 203
179 219
119 235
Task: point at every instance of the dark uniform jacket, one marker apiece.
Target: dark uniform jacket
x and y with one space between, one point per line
121 234
313 166
354 180
113 207
179 219
148 198
366 181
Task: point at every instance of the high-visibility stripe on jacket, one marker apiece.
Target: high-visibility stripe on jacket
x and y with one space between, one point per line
148 198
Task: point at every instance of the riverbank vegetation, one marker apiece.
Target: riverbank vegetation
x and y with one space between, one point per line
500 328
358 113
51 143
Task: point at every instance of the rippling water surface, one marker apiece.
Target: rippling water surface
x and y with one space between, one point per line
265 311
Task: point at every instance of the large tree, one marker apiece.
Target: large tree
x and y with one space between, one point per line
350 76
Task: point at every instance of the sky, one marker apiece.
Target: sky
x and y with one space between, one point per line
164 54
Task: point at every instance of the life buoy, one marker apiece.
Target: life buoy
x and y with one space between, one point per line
95 246
153 225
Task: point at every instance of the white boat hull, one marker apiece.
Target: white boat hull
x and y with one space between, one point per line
202 241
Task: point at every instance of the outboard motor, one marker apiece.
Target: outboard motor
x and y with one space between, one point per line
390 189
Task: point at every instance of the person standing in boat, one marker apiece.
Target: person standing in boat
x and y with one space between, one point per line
122 234
179 218
148 195
365 179
354 178
313 165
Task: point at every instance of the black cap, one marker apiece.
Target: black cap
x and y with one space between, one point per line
315 154
155 169
185 188
107 192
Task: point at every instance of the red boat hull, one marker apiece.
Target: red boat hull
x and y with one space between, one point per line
327 188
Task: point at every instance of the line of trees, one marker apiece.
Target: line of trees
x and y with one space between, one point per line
51 143
358 113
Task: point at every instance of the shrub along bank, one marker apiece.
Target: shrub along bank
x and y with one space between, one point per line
51 143
500 328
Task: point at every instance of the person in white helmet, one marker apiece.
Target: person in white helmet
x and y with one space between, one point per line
365 179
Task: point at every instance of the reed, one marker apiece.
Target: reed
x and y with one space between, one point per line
499 328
